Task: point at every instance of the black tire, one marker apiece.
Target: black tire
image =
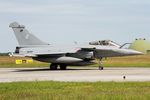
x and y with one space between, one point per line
101 68
63 67
53 67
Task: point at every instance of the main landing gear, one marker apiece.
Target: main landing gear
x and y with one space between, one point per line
100 64
55 67
62 67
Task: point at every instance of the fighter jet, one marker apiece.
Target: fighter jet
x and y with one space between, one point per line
64 55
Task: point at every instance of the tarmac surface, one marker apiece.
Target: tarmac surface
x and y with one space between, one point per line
75 74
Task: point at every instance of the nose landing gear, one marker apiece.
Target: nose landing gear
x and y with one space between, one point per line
100 64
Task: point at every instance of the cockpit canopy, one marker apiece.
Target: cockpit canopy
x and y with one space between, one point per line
104 42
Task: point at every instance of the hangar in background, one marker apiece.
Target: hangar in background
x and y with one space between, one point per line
141 45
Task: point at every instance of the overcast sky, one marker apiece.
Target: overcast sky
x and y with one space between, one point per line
66 21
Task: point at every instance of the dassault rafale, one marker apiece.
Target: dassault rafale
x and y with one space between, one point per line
65 55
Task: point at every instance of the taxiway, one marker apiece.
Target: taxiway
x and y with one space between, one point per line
75 74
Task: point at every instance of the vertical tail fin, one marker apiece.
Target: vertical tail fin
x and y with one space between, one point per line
24 37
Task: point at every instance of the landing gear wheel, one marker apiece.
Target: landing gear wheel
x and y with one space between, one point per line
100 64
63 67
101 68
53 67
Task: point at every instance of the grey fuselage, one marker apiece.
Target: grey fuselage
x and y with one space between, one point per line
74 54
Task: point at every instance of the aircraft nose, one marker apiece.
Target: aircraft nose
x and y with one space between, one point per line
134 52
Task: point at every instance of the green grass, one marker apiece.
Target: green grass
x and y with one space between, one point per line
9 62
132 61
75 91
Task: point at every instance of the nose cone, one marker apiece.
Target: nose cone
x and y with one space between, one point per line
132 52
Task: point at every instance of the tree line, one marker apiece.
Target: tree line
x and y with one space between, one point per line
4 54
